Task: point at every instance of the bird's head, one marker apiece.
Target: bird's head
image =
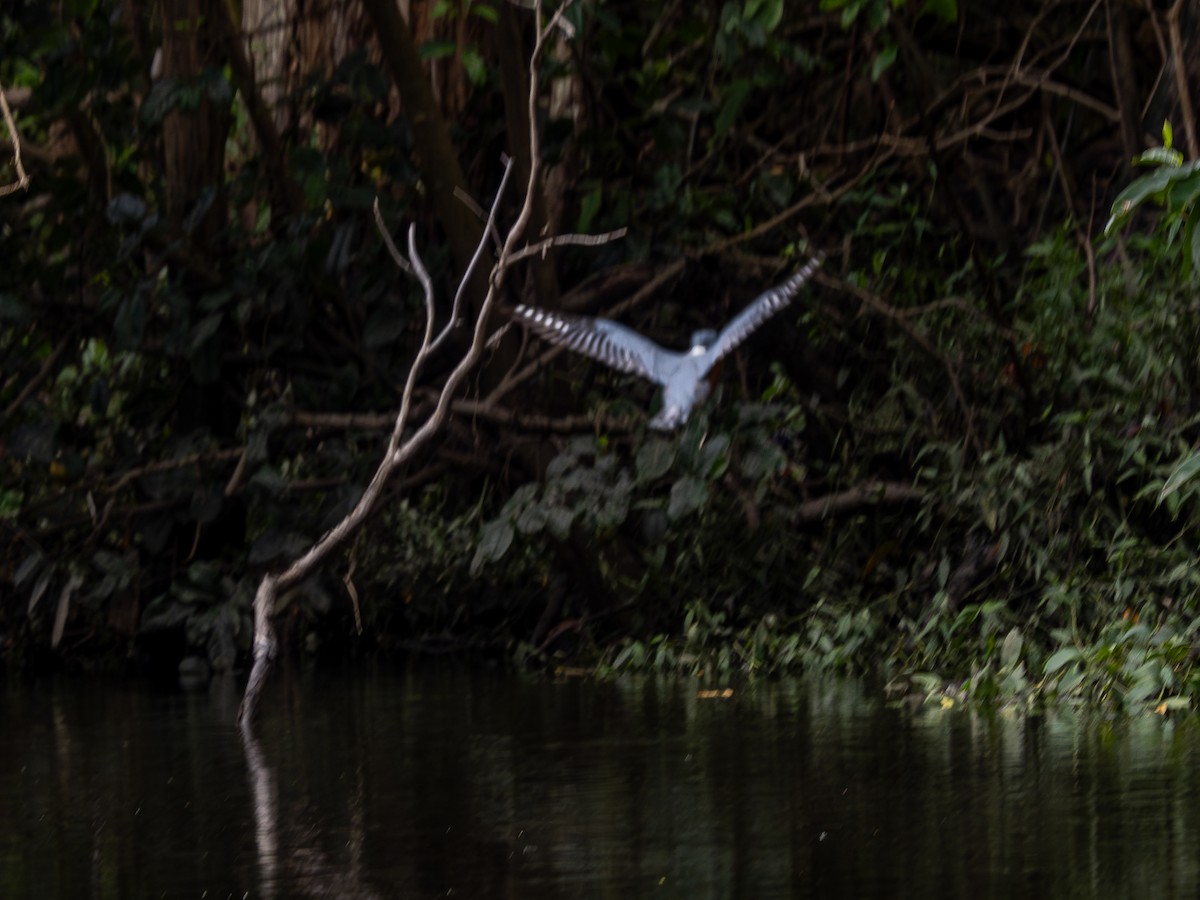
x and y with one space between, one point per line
702 340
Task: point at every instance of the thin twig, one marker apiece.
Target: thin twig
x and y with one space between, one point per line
1184 97
918 337
37 379
22 181
582 240
489 229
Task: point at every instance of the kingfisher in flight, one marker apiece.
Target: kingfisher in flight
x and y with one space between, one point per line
683 376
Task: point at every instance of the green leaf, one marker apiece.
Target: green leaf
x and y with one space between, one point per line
64 606
883 61
532 519
163 97
1167 134
654 459
688 494
1010 650
735 99
436 49
1183 473
31 564
1194 238
39 588
558 521
206 328
763 462
476 68
1061 658
945 10
494 541
767 14
485 12
1159 156
1151 185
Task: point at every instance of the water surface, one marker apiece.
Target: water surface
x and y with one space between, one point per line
446 781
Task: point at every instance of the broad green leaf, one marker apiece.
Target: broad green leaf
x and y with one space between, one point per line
1184 473
654 459
1194 238
767 13
688 494
558 521
1061 658
485 12
494 541
1150 185
1010 650
1175 703
436 49
883 61
475 66
532 519
945 10
1159 156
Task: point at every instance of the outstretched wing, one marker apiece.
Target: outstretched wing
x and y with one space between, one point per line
612 344
763 307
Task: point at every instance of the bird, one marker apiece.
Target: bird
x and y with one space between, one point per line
682 376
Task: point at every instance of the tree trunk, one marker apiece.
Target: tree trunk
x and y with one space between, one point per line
194 137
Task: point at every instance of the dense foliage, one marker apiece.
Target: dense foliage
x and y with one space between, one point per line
946 463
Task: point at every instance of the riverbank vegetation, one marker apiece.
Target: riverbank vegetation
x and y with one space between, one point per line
961 461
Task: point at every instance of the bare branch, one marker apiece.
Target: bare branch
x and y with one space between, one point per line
400 448
584 240
397 256
22 181
489 229
1181 82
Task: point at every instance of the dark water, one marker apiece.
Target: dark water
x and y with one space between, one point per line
476 784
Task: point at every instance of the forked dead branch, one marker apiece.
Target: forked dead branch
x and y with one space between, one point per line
406 442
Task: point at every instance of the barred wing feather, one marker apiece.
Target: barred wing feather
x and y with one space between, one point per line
762 308
601 339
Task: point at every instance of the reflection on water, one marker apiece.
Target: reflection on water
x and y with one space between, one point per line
450 782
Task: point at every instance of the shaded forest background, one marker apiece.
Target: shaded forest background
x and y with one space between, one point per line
941 464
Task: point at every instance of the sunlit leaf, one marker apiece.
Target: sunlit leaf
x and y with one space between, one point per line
1159 156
